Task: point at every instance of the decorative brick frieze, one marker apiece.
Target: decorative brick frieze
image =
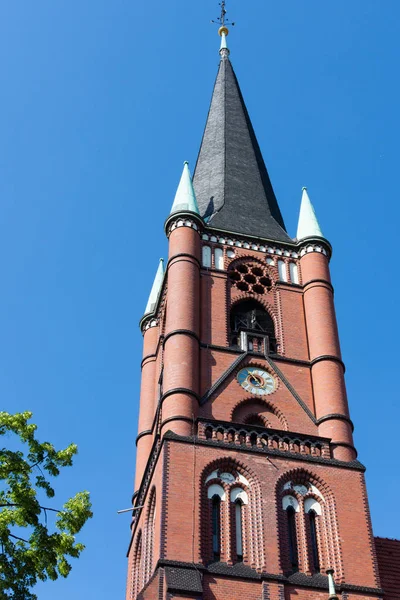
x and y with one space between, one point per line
181 221
352 465
258 437
248 244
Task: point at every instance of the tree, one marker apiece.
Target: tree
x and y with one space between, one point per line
35 543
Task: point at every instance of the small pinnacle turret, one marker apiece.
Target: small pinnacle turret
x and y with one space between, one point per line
185 198
156 289
308 225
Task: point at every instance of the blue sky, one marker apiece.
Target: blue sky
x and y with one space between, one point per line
101 102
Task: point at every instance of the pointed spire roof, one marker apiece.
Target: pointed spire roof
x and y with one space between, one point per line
308 225
231 181
156 289
185 198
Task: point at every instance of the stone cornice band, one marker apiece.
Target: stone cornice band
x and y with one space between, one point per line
183 255
186 391
177 418
312 283
143 434
337 416
332 357
181 332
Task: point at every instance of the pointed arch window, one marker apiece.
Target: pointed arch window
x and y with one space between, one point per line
239 529
137 567
304 525
291 506
313 510
216 526
312 515
292 538
239 498
149 536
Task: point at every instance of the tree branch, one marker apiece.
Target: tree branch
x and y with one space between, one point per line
18 538
38 462
19 505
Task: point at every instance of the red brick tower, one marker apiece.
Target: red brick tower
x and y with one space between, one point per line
247 479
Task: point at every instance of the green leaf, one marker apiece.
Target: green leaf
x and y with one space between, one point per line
38 553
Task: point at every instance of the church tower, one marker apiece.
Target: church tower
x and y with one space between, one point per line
247 479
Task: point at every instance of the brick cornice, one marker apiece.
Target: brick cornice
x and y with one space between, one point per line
241 571
354 465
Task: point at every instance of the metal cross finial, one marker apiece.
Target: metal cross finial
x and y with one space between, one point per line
222 21
223 13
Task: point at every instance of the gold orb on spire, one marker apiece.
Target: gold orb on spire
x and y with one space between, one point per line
222 30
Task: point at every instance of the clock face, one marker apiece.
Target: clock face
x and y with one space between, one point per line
256 381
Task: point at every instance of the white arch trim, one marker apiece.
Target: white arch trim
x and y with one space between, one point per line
216 490
290 501
213 475
312 504
239 494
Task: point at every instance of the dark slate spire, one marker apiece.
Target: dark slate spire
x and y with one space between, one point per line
231 182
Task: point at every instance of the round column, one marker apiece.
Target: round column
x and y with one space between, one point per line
148 391
327 369
180 390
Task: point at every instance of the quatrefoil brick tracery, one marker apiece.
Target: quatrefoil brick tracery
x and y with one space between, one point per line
250 277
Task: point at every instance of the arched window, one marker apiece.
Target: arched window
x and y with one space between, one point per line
312 515
294 272
239 498
219 259
313 510
149 537
206 256
307 525
216 526
292 538
282 270
291 506
137 567
252 320
239 529
231 514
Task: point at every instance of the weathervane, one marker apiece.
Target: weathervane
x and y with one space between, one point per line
222 21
